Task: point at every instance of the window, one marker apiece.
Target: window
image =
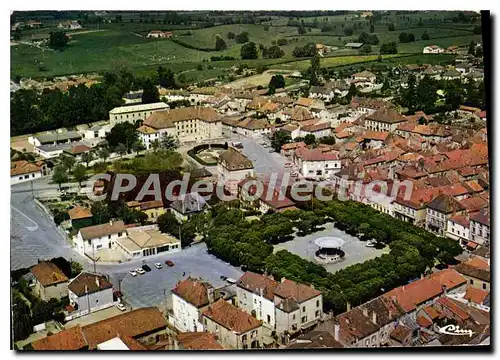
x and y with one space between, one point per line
268 318
484 286
244 337
304 319
471 281
90 243
317 303
303 309
317 313
119 234
293 317
109 236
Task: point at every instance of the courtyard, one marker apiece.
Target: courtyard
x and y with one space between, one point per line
355 250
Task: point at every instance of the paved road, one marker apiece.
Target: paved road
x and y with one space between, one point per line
33 235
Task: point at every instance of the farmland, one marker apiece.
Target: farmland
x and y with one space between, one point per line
124 43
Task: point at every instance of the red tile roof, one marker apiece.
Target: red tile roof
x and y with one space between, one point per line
133 324
255 282
69 339
423 321
230 317
193 291
47 273
198 341
79 212
315 155
475 295
299 292
454 308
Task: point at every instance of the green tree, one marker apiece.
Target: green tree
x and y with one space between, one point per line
68 162
242 37
277 81
220 44
103 154
123 133
166 78
231 35
472 48
169 142
372 28
365 49
87 157
328 140
425 36
389 48
76 268
136 146
121 149
249 51
273 52
391 27
280 138
60 175
310 139
150 93
58 40
301 30
79 173
167 223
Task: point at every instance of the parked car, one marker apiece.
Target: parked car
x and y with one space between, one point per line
271 150
133 272
169 263
370 243
140 271
121 307
223 278
158 266
288 165
146 267
231 280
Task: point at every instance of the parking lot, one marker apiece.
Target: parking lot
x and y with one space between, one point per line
153 288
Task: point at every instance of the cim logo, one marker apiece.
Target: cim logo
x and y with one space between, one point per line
455 330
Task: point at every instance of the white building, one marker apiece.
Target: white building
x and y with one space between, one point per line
189 298
187 124
480 227
96 132
21 171
458 229
316 164
255 295
69 25
145 241
433 49
286 307
384 120
233 167
94 238
88 293
134 113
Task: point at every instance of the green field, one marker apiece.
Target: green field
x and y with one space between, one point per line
123 43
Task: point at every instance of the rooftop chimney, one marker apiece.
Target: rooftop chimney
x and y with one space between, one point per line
365 312
336 330
97 282
283 279
374 317
210 293
348 306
